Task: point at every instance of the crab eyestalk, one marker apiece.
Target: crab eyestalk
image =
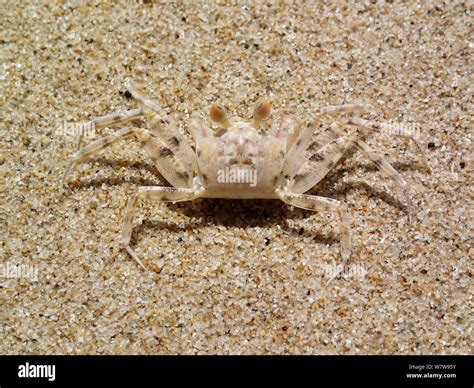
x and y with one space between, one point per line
218 115
260 113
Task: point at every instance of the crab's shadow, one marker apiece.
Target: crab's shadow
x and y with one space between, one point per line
235 213
248 213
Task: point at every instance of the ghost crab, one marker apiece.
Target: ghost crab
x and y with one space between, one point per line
285 161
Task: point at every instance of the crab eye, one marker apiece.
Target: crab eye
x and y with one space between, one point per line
218 115
262 110
260 113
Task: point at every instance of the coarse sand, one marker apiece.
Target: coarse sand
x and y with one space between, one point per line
235 276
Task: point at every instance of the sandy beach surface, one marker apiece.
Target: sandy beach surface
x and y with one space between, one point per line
229 276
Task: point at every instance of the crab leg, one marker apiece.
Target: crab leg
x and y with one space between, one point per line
157 193
166 161
338 109
98 145
312 202
115 118
295 156
142 99
174 140
314 169
110 119
288 128
332 132
388 170
320 163
398 130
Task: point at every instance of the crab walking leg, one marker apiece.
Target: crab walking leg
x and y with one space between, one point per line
288 128
166 161
338 109
396 130
388 170
115 118
157 193
320 163
378 161
295 156
315 203
173 139
326 136
98 145
142 99
110 119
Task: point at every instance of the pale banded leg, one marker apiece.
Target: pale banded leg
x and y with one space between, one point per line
142 99
116 118
338 109
393 130
295 157
172 137
319 163
157 193
388 170
327 135
110 119
312 202
167 132
383 166
288 128
173 169
98 145
332 133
